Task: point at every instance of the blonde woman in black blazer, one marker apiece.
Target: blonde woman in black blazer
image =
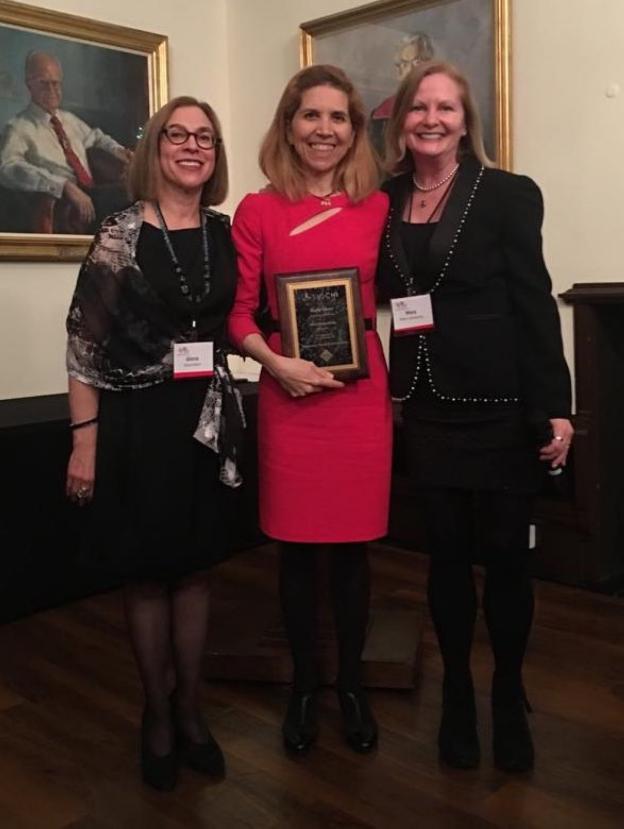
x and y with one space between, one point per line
484 386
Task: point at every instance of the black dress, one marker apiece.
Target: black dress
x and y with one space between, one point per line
473 447
159 509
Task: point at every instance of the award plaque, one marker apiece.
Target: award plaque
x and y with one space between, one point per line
321 320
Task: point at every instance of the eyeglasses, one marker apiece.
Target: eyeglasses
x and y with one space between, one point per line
180 135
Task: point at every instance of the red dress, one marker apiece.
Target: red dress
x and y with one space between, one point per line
324 459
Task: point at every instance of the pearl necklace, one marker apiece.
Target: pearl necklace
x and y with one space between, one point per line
432 187
435 186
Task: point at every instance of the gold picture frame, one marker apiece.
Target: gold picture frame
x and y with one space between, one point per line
320 320
374 41
113 79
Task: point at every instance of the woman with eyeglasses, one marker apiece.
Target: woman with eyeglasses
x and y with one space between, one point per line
155 418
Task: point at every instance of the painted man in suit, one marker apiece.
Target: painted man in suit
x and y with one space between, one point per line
44 151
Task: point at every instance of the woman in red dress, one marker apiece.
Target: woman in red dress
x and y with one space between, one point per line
324 445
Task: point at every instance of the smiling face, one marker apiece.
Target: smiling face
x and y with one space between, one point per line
435 123
186 166
321 132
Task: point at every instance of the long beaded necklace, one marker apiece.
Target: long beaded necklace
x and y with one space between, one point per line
185 288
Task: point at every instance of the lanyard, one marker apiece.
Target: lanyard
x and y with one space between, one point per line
445 193
185 288
408 279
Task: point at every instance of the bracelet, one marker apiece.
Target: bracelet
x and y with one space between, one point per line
82 423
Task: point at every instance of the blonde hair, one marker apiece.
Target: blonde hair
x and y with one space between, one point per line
358 172
397 160
144 174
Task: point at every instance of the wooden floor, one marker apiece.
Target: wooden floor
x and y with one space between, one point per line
70 704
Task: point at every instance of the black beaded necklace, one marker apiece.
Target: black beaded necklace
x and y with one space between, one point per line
185 288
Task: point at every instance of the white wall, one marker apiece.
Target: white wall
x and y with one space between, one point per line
567 134
568 60
34 297
264 52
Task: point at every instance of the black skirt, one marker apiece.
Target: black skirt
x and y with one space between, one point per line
159 509
490 455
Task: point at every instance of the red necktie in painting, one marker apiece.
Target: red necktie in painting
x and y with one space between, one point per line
82 175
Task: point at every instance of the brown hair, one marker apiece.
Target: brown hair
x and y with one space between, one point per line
397 160
358 172
144 174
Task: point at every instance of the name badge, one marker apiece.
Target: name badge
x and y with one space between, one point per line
412 313
193 360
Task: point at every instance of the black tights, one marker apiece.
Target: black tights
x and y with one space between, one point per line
167 624
349 575
496 525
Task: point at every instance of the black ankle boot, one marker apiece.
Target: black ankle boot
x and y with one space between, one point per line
300 727
159 772
359 723
512 742
458 741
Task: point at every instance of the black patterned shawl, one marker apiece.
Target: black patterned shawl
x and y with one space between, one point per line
120 333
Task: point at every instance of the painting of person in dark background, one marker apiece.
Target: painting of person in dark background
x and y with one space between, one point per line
377 46
63 156
44 150
413 49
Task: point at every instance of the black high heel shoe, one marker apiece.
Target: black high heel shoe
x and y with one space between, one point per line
203 756
458 741
360 727
300 726
512 742
158 771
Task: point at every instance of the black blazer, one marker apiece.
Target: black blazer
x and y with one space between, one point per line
497 337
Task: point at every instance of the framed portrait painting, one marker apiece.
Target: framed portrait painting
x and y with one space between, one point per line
379 43
74 97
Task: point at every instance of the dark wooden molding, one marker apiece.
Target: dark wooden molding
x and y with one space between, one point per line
31 411
589 549
594 293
